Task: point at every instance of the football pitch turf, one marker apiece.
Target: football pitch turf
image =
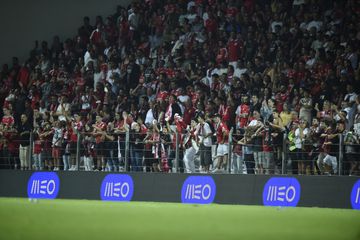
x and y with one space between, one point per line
85 219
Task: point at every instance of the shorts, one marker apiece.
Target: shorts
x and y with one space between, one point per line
205 155
222 149
100 149
73 146
56 152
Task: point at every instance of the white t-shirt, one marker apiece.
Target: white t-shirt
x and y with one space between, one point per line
62 108
134 21
110 73
299 141
203 130
239 71
149 117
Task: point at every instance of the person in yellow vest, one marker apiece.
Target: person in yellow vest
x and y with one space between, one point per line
292 147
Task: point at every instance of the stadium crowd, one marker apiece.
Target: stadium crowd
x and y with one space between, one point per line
262 72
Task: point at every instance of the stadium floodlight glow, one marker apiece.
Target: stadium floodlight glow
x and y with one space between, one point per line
117 187
43 185
282 192
198 189
355 196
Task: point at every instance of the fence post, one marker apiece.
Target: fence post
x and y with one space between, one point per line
230 150
31 146
177 149
77 157
284 154
341 152
127 139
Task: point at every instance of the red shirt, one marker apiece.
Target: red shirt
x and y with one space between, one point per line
34 100
96 37
102 126
266 137
234 50
220 130
162 95
7 120
180 127
211 25
222 55
23 76
189 114
232 11
37 146
226 115
78 127
243 109
280 99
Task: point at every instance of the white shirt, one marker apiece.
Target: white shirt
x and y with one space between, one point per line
239 71
87 58
133 21
149 117
351 97
56 140
97 78
254 123
314 23
299 141
203 130
62 108
110 73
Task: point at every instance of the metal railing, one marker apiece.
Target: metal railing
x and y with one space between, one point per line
137 153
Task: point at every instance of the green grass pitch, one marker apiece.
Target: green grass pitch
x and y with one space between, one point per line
84 219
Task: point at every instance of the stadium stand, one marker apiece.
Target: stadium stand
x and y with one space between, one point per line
192 86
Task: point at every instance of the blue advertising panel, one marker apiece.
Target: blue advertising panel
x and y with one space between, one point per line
355 196
198 189
117 187
282 191
43 185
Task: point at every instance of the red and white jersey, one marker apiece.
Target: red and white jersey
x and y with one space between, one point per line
102 127
180 128
7 120
226 114
242 109
155 137
37 146
162 95
221 129
222 108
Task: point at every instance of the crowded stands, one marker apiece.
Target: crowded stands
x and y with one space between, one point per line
257 87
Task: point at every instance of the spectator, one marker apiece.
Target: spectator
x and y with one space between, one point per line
24 130
203 134
188 58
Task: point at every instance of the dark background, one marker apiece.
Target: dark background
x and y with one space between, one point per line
316 191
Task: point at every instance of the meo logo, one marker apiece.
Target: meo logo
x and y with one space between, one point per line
281 191
355 196
43 185
117 187
198 189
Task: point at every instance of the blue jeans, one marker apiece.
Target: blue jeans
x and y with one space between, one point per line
137 160
111 156
37 161
66 161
